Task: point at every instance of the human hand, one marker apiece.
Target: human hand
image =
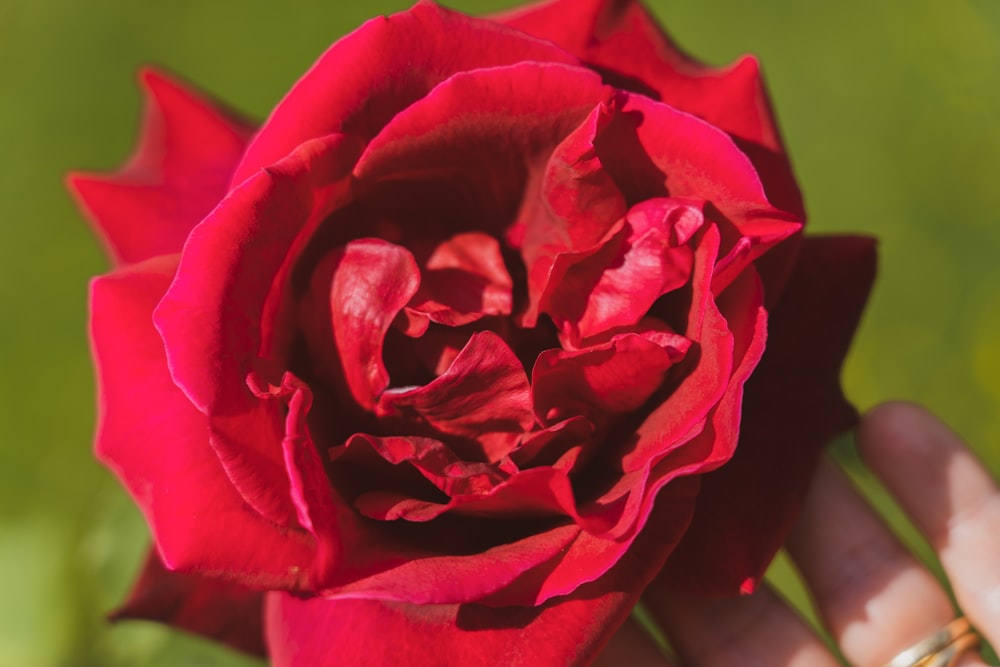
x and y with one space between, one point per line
875 598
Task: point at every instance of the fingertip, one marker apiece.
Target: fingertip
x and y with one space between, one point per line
895 432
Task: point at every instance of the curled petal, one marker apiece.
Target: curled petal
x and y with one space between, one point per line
484 396
614 284
361 287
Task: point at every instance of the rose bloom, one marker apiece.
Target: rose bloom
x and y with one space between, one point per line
490 326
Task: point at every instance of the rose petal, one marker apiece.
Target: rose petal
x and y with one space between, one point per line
592 292
483 397
625 43
479 123
385 66
220 611
210 318
567 631
462 280
163 456
793 406
362 287
188 149
603 381
698 161
577 206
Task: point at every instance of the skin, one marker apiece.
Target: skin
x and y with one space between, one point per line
874 596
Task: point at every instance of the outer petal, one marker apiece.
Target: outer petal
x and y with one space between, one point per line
218 610
369 76
568 631
181 169
793 405
163 456
620 39
211 317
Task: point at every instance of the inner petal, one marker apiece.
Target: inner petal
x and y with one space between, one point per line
463 279
483 399
354 296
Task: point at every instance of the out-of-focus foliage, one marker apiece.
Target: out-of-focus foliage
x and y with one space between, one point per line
891 112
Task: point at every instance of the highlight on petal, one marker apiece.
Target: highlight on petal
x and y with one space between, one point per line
614 284
187 152
398 69
370 282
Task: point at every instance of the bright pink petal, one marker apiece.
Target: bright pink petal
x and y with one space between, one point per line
211 317
181 169
365 284
682 415
483 397
385 66
221 611
566 631
793 405
163 456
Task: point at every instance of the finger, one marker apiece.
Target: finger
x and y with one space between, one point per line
633 647
950 497
757 630
874 596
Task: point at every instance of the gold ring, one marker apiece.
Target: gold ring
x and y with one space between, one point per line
940 649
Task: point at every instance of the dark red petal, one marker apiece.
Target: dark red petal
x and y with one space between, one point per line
793 405
163 456
603 381
462 280
434 461
471 117
592 292
567 631
221 611
484 396
368 77
187 152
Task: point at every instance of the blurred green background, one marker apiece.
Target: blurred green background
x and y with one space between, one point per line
891 111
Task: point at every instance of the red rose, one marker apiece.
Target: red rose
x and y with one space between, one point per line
447 359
